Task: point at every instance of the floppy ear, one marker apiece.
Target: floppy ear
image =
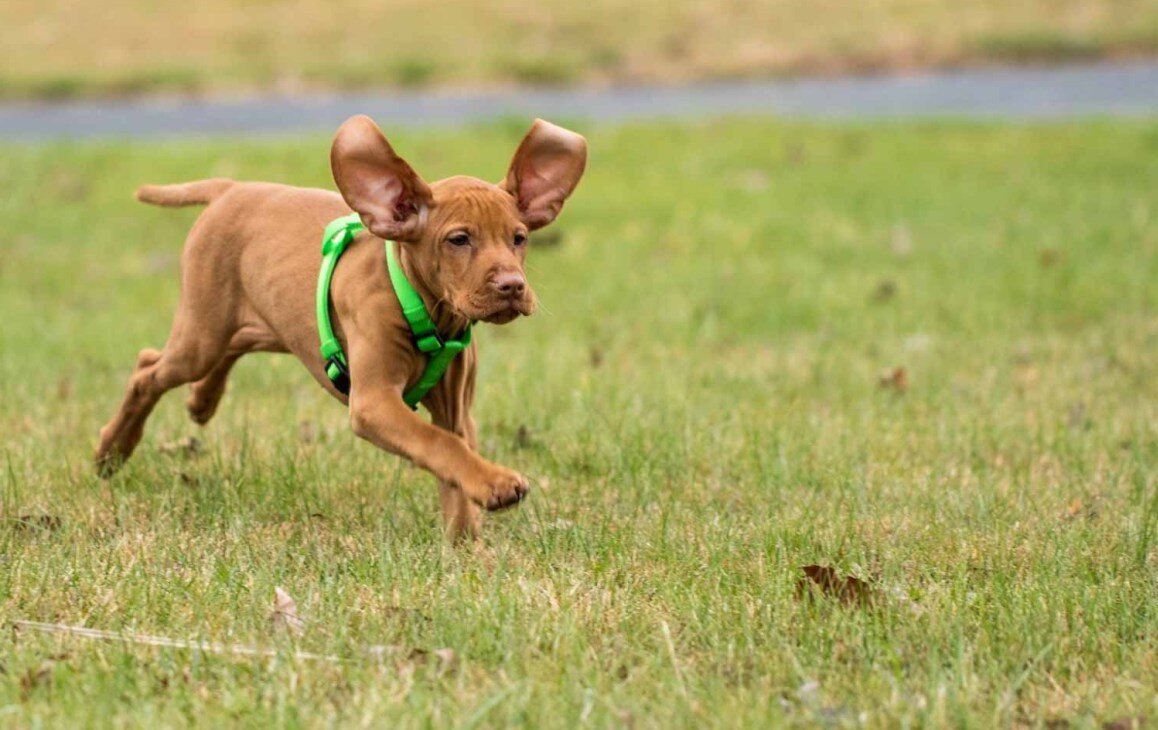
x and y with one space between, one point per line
386 192
546 168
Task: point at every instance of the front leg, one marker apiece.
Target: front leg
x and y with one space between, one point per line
378 415
450 404
385 421
461 517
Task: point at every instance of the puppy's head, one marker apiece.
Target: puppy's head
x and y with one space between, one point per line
467 238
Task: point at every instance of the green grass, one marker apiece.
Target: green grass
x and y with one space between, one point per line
58 48
698 401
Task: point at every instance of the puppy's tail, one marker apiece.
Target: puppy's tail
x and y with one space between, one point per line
198 192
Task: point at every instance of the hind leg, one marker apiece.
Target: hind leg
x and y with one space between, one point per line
206 393
190 355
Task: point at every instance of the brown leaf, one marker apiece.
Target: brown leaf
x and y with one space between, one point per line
885 290
1074 508
407 661
523 439
1125 723
1077 508
443 660
47 523
285 614
187 446
64 388
36 677
826 580
896 379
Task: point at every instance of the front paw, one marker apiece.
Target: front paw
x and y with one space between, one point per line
497 488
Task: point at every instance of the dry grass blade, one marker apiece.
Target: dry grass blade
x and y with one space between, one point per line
207 647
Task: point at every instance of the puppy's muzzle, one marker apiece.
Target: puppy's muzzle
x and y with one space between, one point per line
511 285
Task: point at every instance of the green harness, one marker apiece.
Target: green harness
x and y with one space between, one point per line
339 234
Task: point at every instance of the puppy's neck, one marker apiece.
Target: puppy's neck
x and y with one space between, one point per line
449 323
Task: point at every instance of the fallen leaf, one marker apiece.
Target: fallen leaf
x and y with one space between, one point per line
47 523
285 614
848 590
596 355
406 661
442 659
64 388
1047 257
36 677
187 446
885 290
1079 508
523 438
896 379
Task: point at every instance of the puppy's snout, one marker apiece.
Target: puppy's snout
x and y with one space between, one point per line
511 284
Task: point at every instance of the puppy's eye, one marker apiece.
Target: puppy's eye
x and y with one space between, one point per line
520 239
458 239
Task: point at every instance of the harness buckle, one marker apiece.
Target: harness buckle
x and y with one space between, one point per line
338 373
428 343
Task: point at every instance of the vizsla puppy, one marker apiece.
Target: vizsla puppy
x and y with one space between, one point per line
250 267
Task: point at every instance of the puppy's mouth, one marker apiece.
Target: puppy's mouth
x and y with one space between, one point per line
500 312
502 316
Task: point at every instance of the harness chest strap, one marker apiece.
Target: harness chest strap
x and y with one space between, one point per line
338 235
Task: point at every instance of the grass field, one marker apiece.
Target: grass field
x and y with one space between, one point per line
59 48
700 404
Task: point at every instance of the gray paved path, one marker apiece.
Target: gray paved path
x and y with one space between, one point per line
1093 90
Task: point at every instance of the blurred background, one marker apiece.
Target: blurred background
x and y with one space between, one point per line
61 49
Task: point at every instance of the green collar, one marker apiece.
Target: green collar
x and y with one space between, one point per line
339 234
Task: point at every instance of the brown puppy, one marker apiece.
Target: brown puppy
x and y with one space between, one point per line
250 267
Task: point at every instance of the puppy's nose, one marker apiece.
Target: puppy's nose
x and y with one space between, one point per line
510 284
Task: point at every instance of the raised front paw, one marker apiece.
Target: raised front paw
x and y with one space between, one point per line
497 488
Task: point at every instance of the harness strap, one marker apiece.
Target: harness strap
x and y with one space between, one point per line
337 237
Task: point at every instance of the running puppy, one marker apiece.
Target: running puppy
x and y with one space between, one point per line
251 263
